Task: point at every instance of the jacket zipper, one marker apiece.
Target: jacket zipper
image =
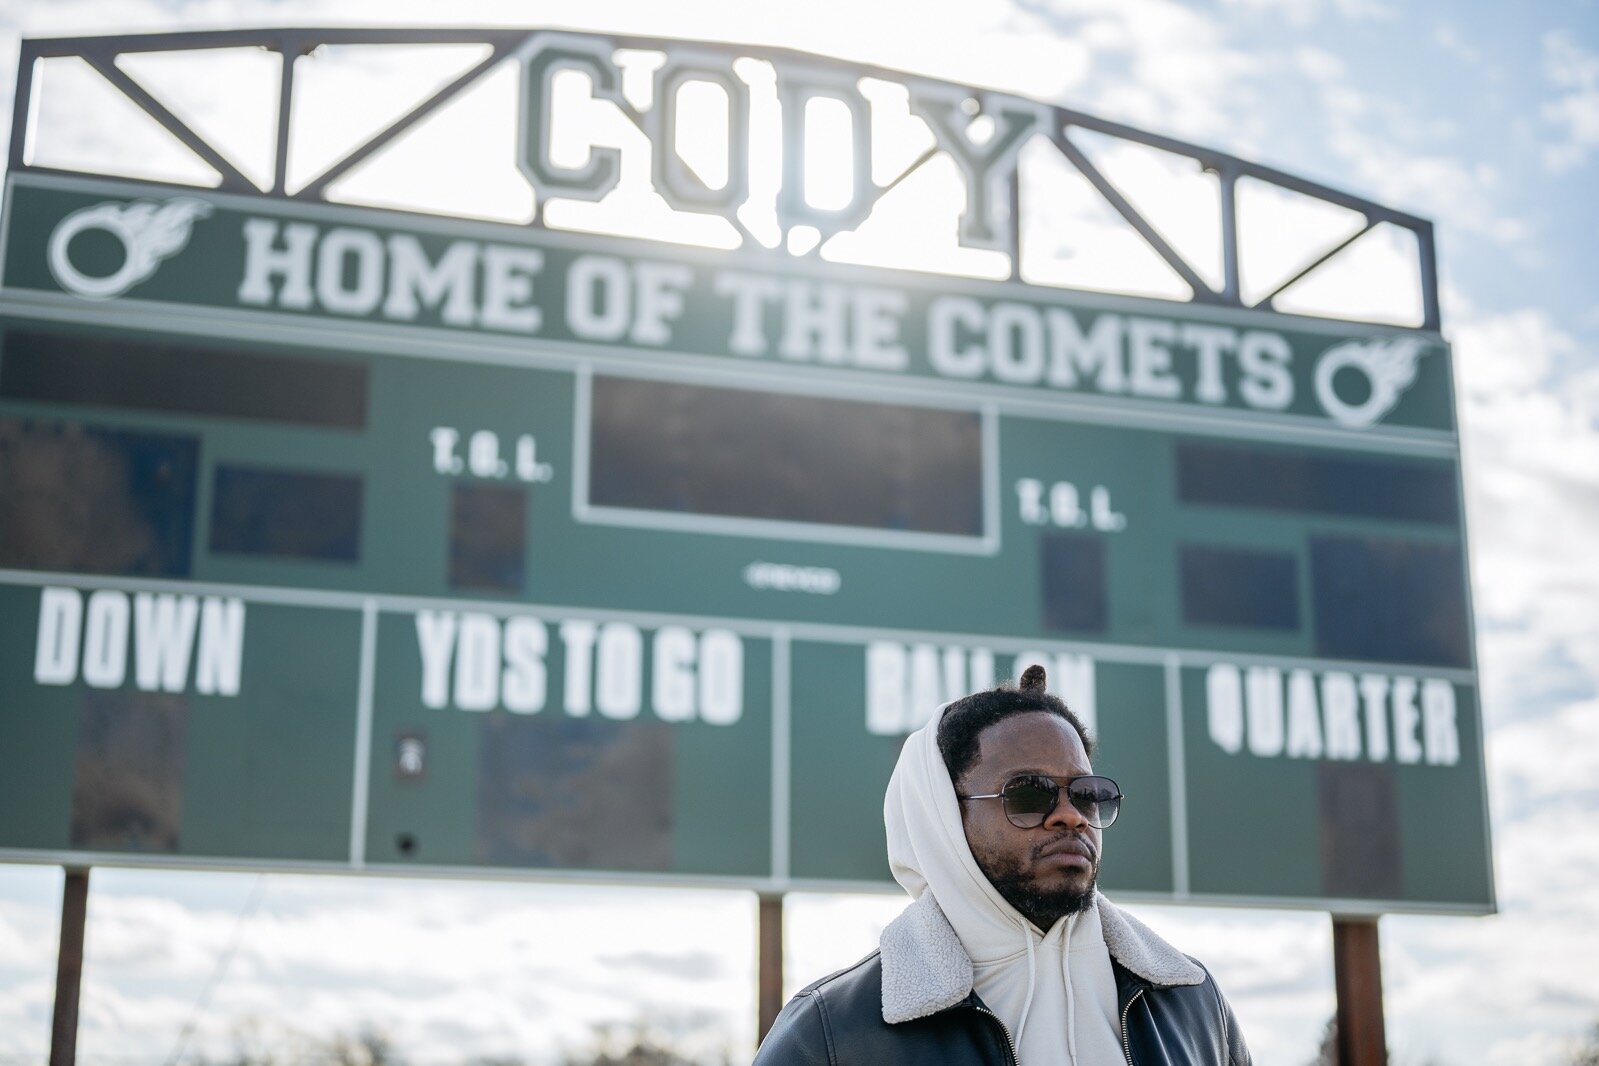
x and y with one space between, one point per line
1014 1058
1127 1047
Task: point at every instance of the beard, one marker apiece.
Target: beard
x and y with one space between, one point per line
1042 905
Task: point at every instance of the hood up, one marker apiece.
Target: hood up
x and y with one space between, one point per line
1054 990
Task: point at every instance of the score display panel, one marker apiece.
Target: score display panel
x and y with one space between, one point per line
343 539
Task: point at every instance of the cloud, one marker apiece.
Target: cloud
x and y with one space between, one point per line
448 971
1274 968
694 965
1574 112
1182 70
1530 418
1447 37
1529 409
1304 13
1537 947
1384 147
1156 63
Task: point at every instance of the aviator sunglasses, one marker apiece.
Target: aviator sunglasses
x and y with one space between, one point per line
1031 798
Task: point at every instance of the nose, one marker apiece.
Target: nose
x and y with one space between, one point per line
1065 816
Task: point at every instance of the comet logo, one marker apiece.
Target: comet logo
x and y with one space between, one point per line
1388 366
148 231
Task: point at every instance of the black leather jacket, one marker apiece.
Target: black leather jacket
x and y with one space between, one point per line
838 1021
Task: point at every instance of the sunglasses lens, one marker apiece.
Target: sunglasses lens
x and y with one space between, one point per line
1028 803
1097 798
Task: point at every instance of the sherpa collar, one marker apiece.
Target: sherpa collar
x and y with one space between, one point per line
926 969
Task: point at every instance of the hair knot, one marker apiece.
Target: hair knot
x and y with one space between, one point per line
1032 679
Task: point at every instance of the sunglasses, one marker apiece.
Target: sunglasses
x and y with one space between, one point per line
1031 798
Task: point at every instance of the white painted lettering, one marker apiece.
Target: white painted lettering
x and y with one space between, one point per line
163 639
927 685
105 639
1406 720
1340 718
1210 344
219 662
265 259
508 288
435 638
1073 356
980 670
1224 707
1440 730
951 355
814 322
577 637
1374 695
1263 708
721 677
477 663
876 323
660 288
750 294
55 654
598 297
1074 682
673 687
1016 343
415 283
619 678
1264 359
349 271
523 686
1304 717
953 663
1149 342
1340 713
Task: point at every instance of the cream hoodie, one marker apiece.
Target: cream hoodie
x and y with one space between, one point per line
1055 992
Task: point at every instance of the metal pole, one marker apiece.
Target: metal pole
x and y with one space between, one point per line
69 968
769 967
1357 975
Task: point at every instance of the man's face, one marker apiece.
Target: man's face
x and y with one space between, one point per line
1049 871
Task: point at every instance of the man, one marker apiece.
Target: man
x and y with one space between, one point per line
1009 954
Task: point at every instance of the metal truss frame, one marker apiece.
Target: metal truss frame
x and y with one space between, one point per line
292 43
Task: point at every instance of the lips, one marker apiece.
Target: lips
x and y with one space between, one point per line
1066 848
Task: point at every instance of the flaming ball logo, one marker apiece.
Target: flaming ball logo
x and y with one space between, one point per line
148 231
1389 367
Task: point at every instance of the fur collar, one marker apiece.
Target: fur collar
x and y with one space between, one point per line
926 969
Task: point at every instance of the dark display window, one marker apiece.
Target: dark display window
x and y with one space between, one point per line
292 514
1231 475
1073 578
545 783
1358 808
1239 587
96 500
1390 600
691 449
488 534
128 772
161 375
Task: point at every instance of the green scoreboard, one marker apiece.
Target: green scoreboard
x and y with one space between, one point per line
336 538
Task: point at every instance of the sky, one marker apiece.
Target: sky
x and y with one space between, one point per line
1483 117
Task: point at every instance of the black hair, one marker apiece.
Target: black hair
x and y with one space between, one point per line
964 721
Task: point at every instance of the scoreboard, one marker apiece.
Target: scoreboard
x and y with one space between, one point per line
335 538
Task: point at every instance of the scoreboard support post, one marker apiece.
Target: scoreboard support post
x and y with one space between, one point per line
769 963
69 967
1357 976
